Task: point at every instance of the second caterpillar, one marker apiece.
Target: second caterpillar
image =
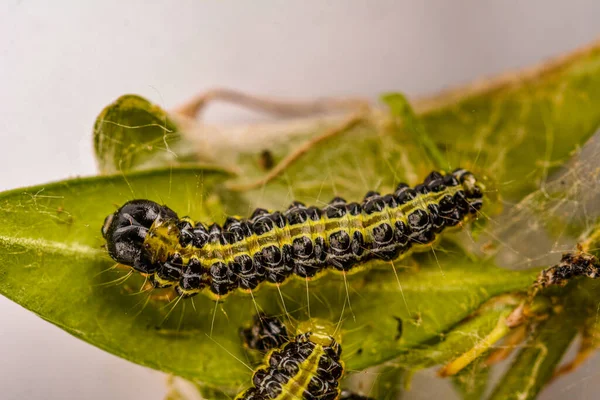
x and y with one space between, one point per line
305 367
301 241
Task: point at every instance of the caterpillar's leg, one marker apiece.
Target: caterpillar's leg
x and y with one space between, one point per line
277 107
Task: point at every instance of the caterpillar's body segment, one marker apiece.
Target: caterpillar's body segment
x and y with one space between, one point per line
302 241
306 367
572 265
266 333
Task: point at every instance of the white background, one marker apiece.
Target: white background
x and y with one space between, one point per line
61 62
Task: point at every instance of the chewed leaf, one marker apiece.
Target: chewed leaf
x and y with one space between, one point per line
515 130
132 133
53 263
521 126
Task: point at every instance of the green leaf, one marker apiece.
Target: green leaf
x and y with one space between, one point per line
534 365
519 128
383 382
53 264
400 108
514 129
452 344
212 393
471 383
514 132
132 133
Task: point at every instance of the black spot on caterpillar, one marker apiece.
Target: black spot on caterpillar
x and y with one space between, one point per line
307 367
301 241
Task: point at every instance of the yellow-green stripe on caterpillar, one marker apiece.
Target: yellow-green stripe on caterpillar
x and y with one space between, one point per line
301 241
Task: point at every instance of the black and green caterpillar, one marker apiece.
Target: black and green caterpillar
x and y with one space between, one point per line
301 241
306 367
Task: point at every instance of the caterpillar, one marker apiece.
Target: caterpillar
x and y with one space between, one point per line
306 367
302 241
571 265
266 333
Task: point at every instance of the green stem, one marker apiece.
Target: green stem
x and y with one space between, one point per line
401 108
500 330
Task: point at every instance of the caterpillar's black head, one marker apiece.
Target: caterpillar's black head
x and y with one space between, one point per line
472 187
126 229
266 333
